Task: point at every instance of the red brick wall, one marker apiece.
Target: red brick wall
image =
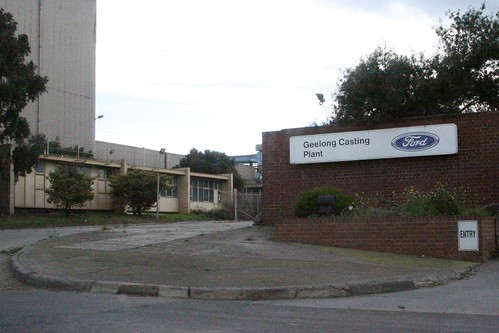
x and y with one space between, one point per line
475 167
431 236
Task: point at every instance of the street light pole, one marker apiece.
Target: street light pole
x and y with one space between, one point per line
321 99
109 152
95 146
158 196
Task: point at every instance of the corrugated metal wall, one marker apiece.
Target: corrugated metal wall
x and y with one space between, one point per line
63 40
136 156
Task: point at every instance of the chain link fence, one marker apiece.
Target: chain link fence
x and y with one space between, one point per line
243 206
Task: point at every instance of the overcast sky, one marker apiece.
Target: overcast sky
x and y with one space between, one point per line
216 74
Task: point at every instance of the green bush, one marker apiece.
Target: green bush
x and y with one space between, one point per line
442 200
371 211
447 200
307 202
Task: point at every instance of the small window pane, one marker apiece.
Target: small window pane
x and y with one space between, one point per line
40 167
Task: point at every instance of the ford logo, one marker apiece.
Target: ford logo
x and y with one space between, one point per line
415 141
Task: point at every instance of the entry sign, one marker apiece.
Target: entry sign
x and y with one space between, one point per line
467 234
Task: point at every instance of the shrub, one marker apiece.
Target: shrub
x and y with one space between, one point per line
372 206
307 202
69 188
447 200
371 211
442 200
137 189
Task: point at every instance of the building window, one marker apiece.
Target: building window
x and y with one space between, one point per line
172 190
105 173
40 167
85 170
202 189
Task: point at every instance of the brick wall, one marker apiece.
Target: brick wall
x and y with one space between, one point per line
475 167
430 236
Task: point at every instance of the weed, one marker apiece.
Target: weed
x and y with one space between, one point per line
53 234
11 250
442 200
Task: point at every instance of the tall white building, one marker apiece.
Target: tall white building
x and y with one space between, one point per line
62 36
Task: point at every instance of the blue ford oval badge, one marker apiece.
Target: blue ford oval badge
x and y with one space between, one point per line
415 141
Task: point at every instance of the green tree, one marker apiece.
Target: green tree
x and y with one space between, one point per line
379 88
55 148
19 85
69 188
137 189
467 64
211 162
25 155
462 77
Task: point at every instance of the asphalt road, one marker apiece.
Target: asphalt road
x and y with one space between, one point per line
10 239
18 238
469 305
475 295
42 311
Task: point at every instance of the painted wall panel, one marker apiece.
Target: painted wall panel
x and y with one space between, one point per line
40 200
62 38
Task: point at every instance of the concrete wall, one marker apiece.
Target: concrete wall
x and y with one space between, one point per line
62 36
475 167
428 236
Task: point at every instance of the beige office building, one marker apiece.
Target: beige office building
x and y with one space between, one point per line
188 191
62 36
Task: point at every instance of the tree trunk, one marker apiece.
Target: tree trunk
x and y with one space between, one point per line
67 209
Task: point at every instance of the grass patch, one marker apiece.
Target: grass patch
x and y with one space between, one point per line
24 221
11 250
394 259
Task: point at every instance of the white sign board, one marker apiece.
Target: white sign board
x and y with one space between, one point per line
374 144
467 235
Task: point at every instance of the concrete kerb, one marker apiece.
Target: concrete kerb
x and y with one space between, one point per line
268 293
435 280
219 293
46 281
